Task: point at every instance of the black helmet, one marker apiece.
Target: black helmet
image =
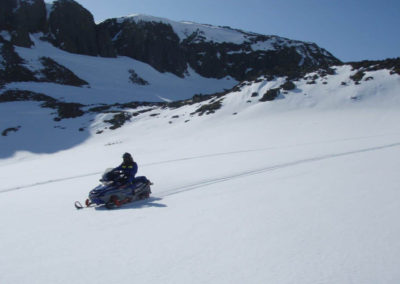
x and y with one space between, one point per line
127 158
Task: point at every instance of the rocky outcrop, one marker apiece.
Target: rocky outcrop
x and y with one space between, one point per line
152 43
11 65
270 95
392 64
72 28
157 42
64 110
56 73
22 17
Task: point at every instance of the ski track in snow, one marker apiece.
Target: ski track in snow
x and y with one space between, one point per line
207 182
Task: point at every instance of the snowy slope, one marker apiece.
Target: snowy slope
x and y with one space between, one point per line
302 189
108 78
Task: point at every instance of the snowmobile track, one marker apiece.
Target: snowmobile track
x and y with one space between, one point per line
222 179
271 168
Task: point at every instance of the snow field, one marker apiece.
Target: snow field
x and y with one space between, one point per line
310 197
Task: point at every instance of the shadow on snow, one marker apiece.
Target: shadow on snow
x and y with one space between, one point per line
146 203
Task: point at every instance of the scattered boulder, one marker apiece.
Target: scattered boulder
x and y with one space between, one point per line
357 77
135 79
11 129
208 108
119 119
270 95
288 85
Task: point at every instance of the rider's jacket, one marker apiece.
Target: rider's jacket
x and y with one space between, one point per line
128 170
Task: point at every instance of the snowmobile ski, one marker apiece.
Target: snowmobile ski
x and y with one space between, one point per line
78 205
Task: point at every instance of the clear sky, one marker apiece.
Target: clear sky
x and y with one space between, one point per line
352 30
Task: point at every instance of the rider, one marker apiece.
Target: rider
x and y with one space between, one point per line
128 168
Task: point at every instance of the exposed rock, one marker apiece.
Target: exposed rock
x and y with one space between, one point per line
136 79
11 129
64 110
357 77
72 28
17 95
149 42
22 17
208 108
11 67
270 95
119 119
105 47
6 14
54 72
392 64
288 85
21 37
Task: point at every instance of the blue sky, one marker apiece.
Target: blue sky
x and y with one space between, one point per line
352 30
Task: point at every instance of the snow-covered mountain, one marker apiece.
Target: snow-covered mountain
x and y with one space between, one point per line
167 46
211 51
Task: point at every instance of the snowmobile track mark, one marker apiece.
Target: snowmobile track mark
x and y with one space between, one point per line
205 183
271 168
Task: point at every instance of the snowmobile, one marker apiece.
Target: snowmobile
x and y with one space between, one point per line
112 193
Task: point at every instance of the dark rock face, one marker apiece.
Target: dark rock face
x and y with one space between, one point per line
6 14
22 18
241 62
11 68
31 16
104 44
72 28
153 43
157 44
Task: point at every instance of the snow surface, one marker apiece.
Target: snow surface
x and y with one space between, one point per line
304 189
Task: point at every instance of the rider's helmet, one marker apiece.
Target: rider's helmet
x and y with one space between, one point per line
127 158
